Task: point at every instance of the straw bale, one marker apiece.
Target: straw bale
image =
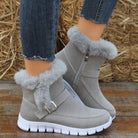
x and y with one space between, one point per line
121 30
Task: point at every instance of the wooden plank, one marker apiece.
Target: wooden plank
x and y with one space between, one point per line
8 85
126 106
113 86
121 86
119 93
125 102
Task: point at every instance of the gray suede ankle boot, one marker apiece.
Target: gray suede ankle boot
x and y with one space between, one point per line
83 58
47 106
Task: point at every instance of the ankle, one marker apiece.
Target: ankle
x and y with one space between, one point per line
35 67
92 30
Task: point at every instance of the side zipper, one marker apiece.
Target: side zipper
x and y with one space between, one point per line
81 68
86 56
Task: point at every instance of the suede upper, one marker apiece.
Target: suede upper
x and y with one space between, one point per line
41 84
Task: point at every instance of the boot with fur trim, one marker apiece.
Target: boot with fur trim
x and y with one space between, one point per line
48 107
83 58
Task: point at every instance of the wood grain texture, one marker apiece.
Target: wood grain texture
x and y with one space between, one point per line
124 96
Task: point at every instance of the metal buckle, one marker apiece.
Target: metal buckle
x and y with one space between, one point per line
53 107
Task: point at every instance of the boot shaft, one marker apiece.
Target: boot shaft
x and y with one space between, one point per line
86 56
55 90
77 59
40 90
82 64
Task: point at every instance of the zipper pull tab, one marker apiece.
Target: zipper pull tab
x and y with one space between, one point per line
87 55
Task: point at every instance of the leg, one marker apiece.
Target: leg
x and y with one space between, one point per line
94 17
35 67
39 25
91 29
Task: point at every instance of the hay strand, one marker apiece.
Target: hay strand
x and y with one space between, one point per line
121 30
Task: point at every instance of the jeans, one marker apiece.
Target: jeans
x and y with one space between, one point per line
39 24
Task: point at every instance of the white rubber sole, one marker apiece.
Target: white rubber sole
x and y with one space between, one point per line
51 127
74 94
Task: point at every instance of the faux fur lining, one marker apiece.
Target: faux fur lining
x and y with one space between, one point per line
41 83
101 47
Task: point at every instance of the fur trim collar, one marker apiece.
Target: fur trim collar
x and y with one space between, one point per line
41 84
102 47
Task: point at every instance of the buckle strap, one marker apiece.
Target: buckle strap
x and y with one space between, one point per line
54 104
53 107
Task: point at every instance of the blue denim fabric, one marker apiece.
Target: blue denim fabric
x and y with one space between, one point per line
39 24
39 27
98 11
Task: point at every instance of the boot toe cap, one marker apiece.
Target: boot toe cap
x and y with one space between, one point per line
113 113
111 109
103 117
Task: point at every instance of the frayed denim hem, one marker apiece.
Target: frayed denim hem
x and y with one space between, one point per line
51 59
93 20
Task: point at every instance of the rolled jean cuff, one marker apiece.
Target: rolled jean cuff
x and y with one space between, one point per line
39 28
49 59
93 19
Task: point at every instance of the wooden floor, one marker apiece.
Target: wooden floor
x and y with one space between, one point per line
124 96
